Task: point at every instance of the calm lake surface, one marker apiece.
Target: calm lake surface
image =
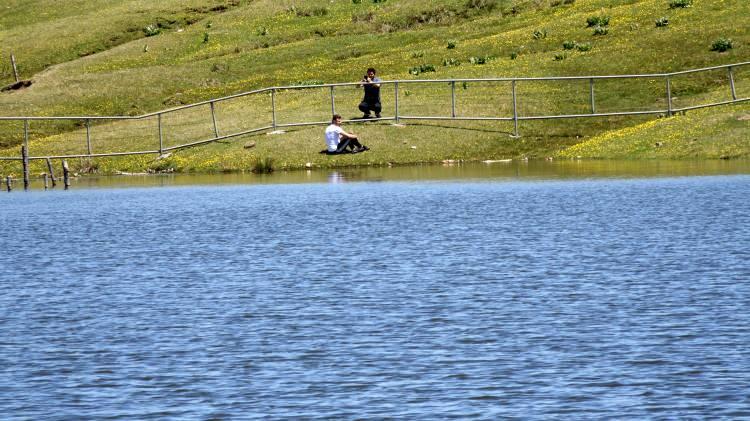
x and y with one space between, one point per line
539 290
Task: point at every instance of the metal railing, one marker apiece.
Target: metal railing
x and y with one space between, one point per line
515 115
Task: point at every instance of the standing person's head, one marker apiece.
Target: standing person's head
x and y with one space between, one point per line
336 119
371 72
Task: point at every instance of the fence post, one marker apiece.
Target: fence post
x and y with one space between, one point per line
669 97
333 102
591 93
161 137
15 70
25 159
213 119
25 154
66 174
273 108
51 172
515 109
88 136
731 84
46 183
9 183
26 132
453 99
396 94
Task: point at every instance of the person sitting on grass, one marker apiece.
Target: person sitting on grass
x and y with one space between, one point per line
371 101
338 140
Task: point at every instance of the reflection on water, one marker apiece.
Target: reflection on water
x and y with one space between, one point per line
513 170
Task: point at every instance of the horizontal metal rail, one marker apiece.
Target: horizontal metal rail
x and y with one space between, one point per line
451 114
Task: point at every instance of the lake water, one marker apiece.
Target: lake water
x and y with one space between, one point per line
568 291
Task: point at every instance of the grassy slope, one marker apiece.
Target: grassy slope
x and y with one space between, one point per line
253 44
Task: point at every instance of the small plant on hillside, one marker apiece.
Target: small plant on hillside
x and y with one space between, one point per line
423 68
540 34
560 56
722 44
600 30
303 13
152 30
662 22
357 1
263 31
592 21
486 5
481 60
676 4
451 44
205 37
451 62
583 47
378 1
569 45
263 165
417 54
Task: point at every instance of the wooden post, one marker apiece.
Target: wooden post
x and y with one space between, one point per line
213 119
51 173
66 174
25 159
515 108
9 183
46 185
669 97
453 98
15 70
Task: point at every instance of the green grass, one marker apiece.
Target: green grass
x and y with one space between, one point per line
95 58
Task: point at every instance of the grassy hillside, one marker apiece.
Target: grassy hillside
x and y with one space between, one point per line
130 57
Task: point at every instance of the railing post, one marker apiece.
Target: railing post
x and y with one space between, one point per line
26 133
25 154
273 108
333 102
88 136
15 70
213 119
51 172
669 97
66 174
591 95
161 136
453 99
25 160
731 84
396 94
515 109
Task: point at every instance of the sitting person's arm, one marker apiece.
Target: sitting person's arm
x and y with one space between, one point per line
346 135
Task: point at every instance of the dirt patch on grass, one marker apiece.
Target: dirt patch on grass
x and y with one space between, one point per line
21 84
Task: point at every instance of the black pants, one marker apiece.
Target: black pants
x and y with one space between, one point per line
351 142
367 107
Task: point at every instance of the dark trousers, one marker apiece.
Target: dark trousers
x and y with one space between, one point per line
349 142
367 107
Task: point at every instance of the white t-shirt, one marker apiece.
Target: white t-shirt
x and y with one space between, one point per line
333 135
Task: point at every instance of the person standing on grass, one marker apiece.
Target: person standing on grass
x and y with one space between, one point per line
371 101
338 140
